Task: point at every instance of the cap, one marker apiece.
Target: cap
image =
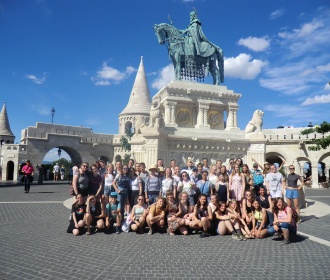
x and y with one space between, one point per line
113 194
266 163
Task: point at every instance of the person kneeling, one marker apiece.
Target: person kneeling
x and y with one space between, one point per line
156 216
113 214
95 214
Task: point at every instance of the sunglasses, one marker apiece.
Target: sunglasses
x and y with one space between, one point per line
140 199
125 168
292 168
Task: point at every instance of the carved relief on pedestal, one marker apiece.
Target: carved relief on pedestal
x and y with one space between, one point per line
214 119
183 117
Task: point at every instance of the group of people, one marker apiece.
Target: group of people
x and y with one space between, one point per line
194 199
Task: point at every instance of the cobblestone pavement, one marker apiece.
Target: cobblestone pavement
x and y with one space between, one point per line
34 245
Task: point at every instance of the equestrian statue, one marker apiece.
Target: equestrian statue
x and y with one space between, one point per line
193 55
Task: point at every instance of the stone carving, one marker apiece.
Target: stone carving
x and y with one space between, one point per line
255 125
140 122
156 118
183 117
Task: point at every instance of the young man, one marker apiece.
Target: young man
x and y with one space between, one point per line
206 165
205 186
56 171
189 167
292 189
258 178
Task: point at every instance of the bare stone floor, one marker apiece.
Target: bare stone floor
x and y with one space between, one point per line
34 245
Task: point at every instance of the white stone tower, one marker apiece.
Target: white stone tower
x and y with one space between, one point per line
6 136
139 102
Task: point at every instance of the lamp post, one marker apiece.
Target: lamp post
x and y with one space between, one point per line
59 151
53 113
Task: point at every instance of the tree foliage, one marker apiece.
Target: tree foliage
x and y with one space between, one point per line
124 140
321 143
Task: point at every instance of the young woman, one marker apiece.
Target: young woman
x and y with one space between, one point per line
239 162
108 178
138 215
221 189
184 207
224 225
95 214
237 221
95 183
236 184
113 213
122 185
201 216
248 177
213 176
259 221
136 186
156 216
153 186
188 186
266 202
247 208
78 212
168 183
173 211
283 221
224 173
80 181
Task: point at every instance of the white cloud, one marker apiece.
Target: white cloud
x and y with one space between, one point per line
165 76
35 79
255 44
243 67
318 99
324 68
327 86
277 14
108 75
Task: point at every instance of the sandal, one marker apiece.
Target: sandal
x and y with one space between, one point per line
88 233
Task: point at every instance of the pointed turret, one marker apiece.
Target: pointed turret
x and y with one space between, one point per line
138 106
5 132
139 100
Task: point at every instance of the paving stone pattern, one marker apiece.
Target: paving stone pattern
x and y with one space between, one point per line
34 245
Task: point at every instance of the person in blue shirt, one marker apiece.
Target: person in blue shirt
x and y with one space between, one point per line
205 186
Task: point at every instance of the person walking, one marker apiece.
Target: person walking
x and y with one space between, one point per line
28 172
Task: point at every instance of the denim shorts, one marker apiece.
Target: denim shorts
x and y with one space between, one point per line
191 200
286 226
107 190
291 194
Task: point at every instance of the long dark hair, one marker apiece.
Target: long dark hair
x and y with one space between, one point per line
217 209
199 203
276 209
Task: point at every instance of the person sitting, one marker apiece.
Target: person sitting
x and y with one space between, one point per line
201 216
224 225
95 214
78 219
247 208
259 220
156 216
173 211
113 213
138 215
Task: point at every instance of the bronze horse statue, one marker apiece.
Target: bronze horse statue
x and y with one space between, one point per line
190 65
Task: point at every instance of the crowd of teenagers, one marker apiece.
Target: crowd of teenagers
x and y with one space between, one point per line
203 199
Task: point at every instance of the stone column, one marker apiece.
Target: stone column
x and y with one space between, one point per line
173 106
202 115
235 118
230 119
167 118
315 175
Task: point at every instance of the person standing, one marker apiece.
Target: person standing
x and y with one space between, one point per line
28 172
292 189
274 181
56 171
62 172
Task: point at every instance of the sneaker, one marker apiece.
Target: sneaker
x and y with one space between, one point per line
236 236
118 230
243 237
150 232
204 234
285 242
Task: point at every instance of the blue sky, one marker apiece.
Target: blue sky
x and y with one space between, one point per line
81 57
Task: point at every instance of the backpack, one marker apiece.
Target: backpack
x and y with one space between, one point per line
295 216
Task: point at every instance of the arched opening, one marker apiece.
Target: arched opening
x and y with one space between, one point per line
10 171
62 156
277 160
128 127
105 159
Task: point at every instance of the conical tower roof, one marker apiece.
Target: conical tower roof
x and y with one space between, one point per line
139 101
4 122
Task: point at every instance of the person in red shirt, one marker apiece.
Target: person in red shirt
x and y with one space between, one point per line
28 173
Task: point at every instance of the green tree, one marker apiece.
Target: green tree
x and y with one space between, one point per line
60 162
321 143
124 140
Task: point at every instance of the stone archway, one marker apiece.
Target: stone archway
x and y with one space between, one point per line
273 157
10 171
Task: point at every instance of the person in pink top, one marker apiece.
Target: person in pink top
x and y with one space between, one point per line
236 184
28 173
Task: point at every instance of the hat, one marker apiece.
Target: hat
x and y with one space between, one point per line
154 166
113 194
255 165
266 163
161 169
194 168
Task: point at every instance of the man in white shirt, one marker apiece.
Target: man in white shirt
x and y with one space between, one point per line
274 181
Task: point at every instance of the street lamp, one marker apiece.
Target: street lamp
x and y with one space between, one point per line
53 113
59 151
